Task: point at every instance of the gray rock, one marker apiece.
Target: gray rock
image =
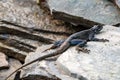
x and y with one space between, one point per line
12 52
100 11
28 14
14 64
102 63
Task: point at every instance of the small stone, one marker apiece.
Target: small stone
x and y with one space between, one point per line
3 62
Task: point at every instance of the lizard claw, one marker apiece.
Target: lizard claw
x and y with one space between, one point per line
83 50
104 40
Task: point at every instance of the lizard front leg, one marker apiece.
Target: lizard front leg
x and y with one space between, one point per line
79 45
100 40
92 38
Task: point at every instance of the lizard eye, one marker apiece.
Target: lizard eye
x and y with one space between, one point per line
97 28
100 28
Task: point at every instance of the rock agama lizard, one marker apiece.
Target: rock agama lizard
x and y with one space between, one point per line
78 38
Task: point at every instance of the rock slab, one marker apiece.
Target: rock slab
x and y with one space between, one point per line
100 11
102 63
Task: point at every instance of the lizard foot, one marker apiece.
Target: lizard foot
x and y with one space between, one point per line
104 40
82 49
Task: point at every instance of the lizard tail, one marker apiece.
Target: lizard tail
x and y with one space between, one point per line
61 49
41 58
52 47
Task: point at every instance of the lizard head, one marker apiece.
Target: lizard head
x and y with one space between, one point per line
97 28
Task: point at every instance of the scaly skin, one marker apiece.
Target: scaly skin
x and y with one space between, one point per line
73 42
87 35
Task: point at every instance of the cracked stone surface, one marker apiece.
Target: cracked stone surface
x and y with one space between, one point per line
28 14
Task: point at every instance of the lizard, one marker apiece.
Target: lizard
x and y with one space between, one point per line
73 42
83 36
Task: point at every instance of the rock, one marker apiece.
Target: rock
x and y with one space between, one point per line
28 14
102 11
102 63
14 64
12 52
75 21
45 69
3 62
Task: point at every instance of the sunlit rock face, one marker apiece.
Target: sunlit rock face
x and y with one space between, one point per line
101 11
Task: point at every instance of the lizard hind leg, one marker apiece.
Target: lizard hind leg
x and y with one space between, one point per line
82 49
80 46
